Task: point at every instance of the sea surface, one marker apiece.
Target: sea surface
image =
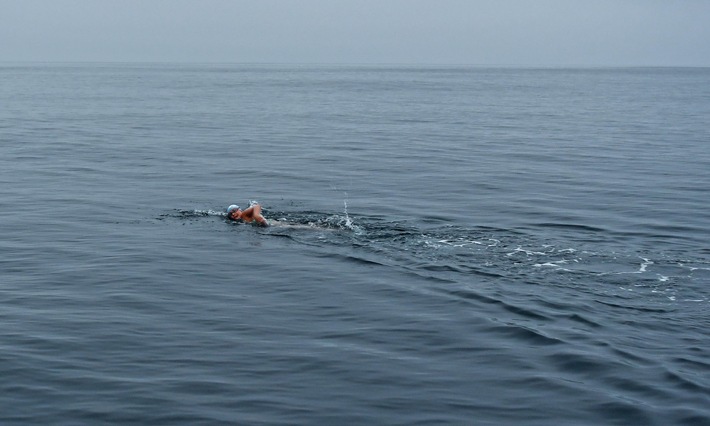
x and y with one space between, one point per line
448 245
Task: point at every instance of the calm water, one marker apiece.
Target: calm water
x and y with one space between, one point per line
449 245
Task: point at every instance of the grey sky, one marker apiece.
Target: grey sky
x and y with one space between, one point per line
487 32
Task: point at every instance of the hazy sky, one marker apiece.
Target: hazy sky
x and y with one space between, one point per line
486 32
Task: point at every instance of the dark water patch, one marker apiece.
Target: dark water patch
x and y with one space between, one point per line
634 358
525 335
693 363
520 312
624 413
634 307
583 320
469 295
689 417
637 389
687 384
523 312
582 364
460 269
358 260
573 227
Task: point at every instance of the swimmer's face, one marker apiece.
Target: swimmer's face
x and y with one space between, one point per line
234 215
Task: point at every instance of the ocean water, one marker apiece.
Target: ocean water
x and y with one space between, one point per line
449 245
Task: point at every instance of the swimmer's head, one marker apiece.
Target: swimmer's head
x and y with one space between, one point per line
231 209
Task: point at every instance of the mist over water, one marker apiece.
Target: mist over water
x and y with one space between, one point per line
448 245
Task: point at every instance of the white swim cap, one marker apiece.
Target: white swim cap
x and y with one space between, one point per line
232 208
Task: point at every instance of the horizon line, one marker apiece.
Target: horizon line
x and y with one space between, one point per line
345 64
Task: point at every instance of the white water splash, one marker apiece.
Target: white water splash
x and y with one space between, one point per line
347 222
644 265
209 212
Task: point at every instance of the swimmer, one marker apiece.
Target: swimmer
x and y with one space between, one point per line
250 215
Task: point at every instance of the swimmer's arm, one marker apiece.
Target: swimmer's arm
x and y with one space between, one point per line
254 213
257 215
248 214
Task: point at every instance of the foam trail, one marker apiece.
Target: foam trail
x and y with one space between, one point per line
200 212
644 265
